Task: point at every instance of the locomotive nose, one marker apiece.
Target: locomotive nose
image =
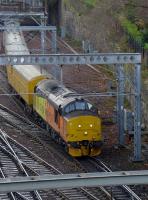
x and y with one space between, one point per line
84 128
84 135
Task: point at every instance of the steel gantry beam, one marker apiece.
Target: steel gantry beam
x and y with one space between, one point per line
70 59
73 181
28 28
20 14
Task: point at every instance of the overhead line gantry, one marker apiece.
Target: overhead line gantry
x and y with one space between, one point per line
117 59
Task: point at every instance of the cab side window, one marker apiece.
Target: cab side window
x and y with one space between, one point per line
55 116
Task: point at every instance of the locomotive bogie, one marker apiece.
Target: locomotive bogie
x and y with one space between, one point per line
84 151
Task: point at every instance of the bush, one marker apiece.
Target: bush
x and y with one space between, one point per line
146 46
132 30
90 3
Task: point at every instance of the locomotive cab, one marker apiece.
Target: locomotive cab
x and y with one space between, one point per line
82 128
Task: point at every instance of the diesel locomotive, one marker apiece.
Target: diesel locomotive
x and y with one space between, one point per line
72 122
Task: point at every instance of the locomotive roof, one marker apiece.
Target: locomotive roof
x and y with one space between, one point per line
15 45
55 92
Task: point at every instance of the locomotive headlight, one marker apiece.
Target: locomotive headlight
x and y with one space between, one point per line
79 125
91 125
85 133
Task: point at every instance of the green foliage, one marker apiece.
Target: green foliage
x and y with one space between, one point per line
139 34
90 3
132 30
146 46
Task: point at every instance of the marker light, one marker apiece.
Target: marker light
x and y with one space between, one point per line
79 126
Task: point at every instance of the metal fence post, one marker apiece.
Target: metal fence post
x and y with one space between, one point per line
43 36
137 113
120 103
54 41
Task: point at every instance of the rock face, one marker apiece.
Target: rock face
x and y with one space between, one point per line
95 23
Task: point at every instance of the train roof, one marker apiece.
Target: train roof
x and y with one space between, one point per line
15 45
55 92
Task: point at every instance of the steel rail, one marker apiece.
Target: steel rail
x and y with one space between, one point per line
13 194
26 120
3 176
27 168
64 192
17 159
125 187
36 173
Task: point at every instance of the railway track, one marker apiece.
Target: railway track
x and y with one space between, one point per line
26 126
88 193
23 127
116 192
16 160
